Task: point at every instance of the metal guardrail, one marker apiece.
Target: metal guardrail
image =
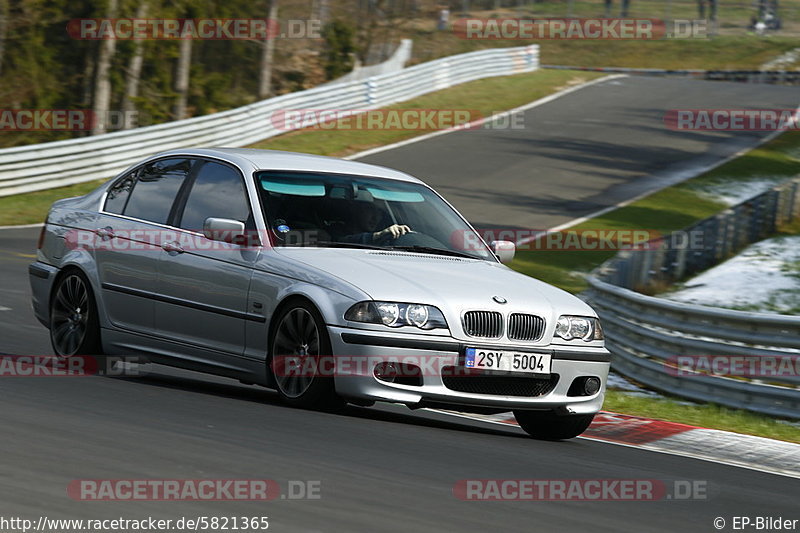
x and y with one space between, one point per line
774 77
56 164
648 336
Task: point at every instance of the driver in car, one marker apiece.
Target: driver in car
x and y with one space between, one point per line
367 220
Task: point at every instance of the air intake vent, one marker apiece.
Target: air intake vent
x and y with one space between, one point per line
488 383
487 324
525 327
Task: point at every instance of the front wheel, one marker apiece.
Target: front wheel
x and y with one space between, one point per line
547 425
301 357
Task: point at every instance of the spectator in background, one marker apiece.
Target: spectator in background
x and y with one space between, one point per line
624 7
444 19
712 9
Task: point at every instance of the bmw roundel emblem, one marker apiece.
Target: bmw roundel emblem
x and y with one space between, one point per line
499 299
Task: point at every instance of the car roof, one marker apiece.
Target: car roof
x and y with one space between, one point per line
279 160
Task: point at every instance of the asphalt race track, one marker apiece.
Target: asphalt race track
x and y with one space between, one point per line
387 468
585 151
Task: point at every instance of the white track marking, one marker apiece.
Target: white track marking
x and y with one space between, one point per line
23 226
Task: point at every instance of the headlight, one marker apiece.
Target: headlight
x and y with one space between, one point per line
579 327
395 314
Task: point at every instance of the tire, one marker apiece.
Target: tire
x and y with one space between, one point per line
74 322
300 334
546 425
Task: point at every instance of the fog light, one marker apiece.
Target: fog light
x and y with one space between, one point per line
591 386
385 372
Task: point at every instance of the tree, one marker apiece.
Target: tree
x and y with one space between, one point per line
339 38
102 84
134 72
268 52
182 77
3 29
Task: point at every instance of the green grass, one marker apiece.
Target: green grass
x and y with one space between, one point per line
670 209
704 415
487 96
726 52
735 52
32 207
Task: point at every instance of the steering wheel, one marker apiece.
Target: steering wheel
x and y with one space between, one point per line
409 239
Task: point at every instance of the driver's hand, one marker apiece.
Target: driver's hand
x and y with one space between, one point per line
395 230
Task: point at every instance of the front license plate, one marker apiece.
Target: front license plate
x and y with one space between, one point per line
531 363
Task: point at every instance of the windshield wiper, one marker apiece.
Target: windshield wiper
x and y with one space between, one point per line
335 244
433 250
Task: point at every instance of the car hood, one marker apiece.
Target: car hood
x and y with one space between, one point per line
453 284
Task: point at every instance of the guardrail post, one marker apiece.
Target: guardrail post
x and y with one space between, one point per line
442 77
794 201
532 56
679 267
370 90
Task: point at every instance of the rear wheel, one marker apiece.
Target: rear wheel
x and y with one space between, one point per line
301 358
74 324
547 425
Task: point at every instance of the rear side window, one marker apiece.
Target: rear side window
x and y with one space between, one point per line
218 191
155 190
118 194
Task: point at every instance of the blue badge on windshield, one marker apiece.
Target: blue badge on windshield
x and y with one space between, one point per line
283 228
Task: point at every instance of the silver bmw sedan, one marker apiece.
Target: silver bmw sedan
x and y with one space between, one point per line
328 280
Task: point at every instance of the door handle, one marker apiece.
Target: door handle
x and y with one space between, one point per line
172 248
105 233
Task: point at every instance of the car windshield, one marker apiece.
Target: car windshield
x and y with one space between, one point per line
334 210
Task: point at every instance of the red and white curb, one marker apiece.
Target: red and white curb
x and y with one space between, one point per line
725 447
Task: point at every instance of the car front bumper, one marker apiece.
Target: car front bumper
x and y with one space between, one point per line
568 363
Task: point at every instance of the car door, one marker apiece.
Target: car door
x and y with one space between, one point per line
203 284
126 247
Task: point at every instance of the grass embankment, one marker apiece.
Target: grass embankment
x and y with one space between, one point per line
726 52
703 415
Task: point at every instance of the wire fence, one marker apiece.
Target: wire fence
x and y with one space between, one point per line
704 244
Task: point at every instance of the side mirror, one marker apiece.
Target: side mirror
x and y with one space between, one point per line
223 229
504 250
